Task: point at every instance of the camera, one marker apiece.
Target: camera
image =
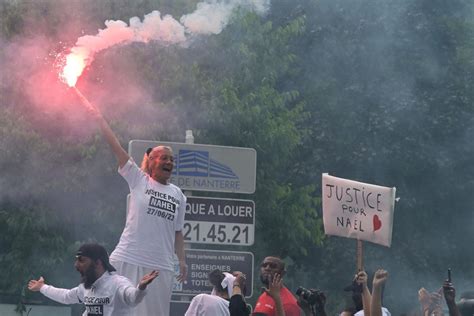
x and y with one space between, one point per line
466 307
311 296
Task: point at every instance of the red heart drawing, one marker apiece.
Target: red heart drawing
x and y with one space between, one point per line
377 223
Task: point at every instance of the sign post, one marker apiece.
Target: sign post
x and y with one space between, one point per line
203 261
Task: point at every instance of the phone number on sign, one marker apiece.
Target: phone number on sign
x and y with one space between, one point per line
218 233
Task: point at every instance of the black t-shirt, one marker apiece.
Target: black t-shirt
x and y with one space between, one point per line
238 307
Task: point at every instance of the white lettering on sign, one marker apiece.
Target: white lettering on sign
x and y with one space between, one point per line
235 210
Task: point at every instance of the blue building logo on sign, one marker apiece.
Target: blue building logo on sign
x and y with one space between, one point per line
197 163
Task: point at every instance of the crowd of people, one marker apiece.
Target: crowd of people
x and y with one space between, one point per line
152 237
104 292
277 300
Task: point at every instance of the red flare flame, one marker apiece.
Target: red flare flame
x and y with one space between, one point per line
73 68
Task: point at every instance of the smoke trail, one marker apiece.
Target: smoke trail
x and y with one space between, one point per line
212 17
209 18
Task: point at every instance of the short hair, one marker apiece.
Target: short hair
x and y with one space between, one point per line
281 263
215 277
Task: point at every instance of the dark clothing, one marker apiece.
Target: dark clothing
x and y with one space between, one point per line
238 307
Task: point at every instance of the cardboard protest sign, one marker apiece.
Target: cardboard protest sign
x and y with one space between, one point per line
358 210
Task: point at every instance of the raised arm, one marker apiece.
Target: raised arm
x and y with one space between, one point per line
63 296
431 303
361 278
238 288
237 305
274 291
425 301
437 303
134 295
120 153
450 297
380 278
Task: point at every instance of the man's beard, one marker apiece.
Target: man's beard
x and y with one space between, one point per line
89 277
265 279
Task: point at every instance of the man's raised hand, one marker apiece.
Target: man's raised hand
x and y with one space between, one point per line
147 279
275 286
36 285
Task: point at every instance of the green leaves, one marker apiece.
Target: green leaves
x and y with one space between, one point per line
30 244
377 92
250 109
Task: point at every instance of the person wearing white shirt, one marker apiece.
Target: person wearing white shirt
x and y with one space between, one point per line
376 309
154 223
216 303
372 302
102 291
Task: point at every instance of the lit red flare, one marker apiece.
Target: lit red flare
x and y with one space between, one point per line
74 65
84 101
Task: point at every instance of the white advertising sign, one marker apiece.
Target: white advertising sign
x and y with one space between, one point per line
358 210
206 167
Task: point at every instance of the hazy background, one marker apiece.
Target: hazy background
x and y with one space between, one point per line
374 91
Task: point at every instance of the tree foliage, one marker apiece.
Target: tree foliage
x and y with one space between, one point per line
379 92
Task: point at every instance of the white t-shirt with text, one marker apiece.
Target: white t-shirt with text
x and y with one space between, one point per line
156 212
110 295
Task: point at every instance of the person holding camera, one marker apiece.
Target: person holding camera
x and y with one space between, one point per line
466 304
276 299
311 301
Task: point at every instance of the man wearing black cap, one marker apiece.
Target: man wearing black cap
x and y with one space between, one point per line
102 291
